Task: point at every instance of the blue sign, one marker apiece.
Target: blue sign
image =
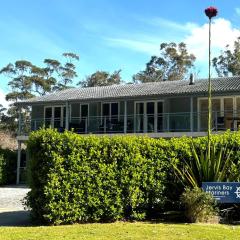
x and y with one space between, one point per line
223 192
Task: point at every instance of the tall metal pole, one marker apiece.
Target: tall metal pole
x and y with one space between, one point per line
209 91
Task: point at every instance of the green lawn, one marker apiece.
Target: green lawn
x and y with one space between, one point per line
121 230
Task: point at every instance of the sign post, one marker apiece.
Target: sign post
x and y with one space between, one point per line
223 192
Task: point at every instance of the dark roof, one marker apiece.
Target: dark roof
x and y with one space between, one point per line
176 88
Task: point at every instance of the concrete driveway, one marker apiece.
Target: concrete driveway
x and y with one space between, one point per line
12 212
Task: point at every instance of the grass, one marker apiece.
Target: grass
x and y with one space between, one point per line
121 230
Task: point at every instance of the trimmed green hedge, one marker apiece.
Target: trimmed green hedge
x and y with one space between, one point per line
81 179
77 178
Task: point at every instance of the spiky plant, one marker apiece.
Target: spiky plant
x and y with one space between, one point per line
202 168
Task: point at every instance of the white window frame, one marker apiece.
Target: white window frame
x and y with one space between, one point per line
110 110
221 98
145 112
53 117
80 111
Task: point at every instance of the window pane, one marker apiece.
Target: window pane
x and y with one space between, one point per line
204 105
48 112
150 108
160 117
48 116
204 114
228 113
160 107
216 105
228 104
84 111
106 111
139 117
114 109
139 108
64 117
57 112
238 106
57 117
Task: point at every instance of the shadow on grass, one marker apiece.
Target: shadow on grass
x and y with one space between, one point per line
15 218
15 186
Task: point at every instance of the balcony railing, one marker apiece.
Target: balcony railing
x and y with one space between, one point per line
139 123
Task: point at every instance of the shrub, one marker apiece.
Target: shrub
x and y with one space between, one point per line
2 170
8 166
82 179
199 205
77 178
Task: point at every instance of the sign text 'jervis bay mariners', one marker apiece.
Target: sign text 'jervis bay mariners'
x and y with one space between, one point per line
224 192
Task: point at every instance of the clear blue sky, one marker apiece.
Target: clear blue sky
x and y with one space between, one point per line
110 34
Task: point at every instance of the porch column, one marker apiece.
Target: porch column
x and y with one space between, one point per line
125 116
18 161
67 117
191 114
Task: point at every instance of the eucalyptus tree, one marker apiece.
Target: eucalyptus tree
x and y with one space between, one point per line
27 80
173 63
228 62
101 78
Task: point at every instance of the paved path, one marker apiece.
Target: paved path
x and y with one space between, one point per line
12 211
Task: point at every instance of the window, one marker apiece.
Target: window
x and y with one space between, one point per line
84 111
114 109
48 116
106 109
148 116
55 116
110 110
222 108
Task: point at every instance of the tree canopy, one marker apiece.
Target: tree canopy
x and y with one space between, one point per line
228 62
28 80
173 63
101 78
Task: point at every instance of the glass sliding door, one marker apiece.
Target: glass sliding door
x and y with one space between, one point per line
114 113
84 117
217 115
148 116
237 113
139 117
48 117
228 113
203 114
223 116
57 117
159 116
110 117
